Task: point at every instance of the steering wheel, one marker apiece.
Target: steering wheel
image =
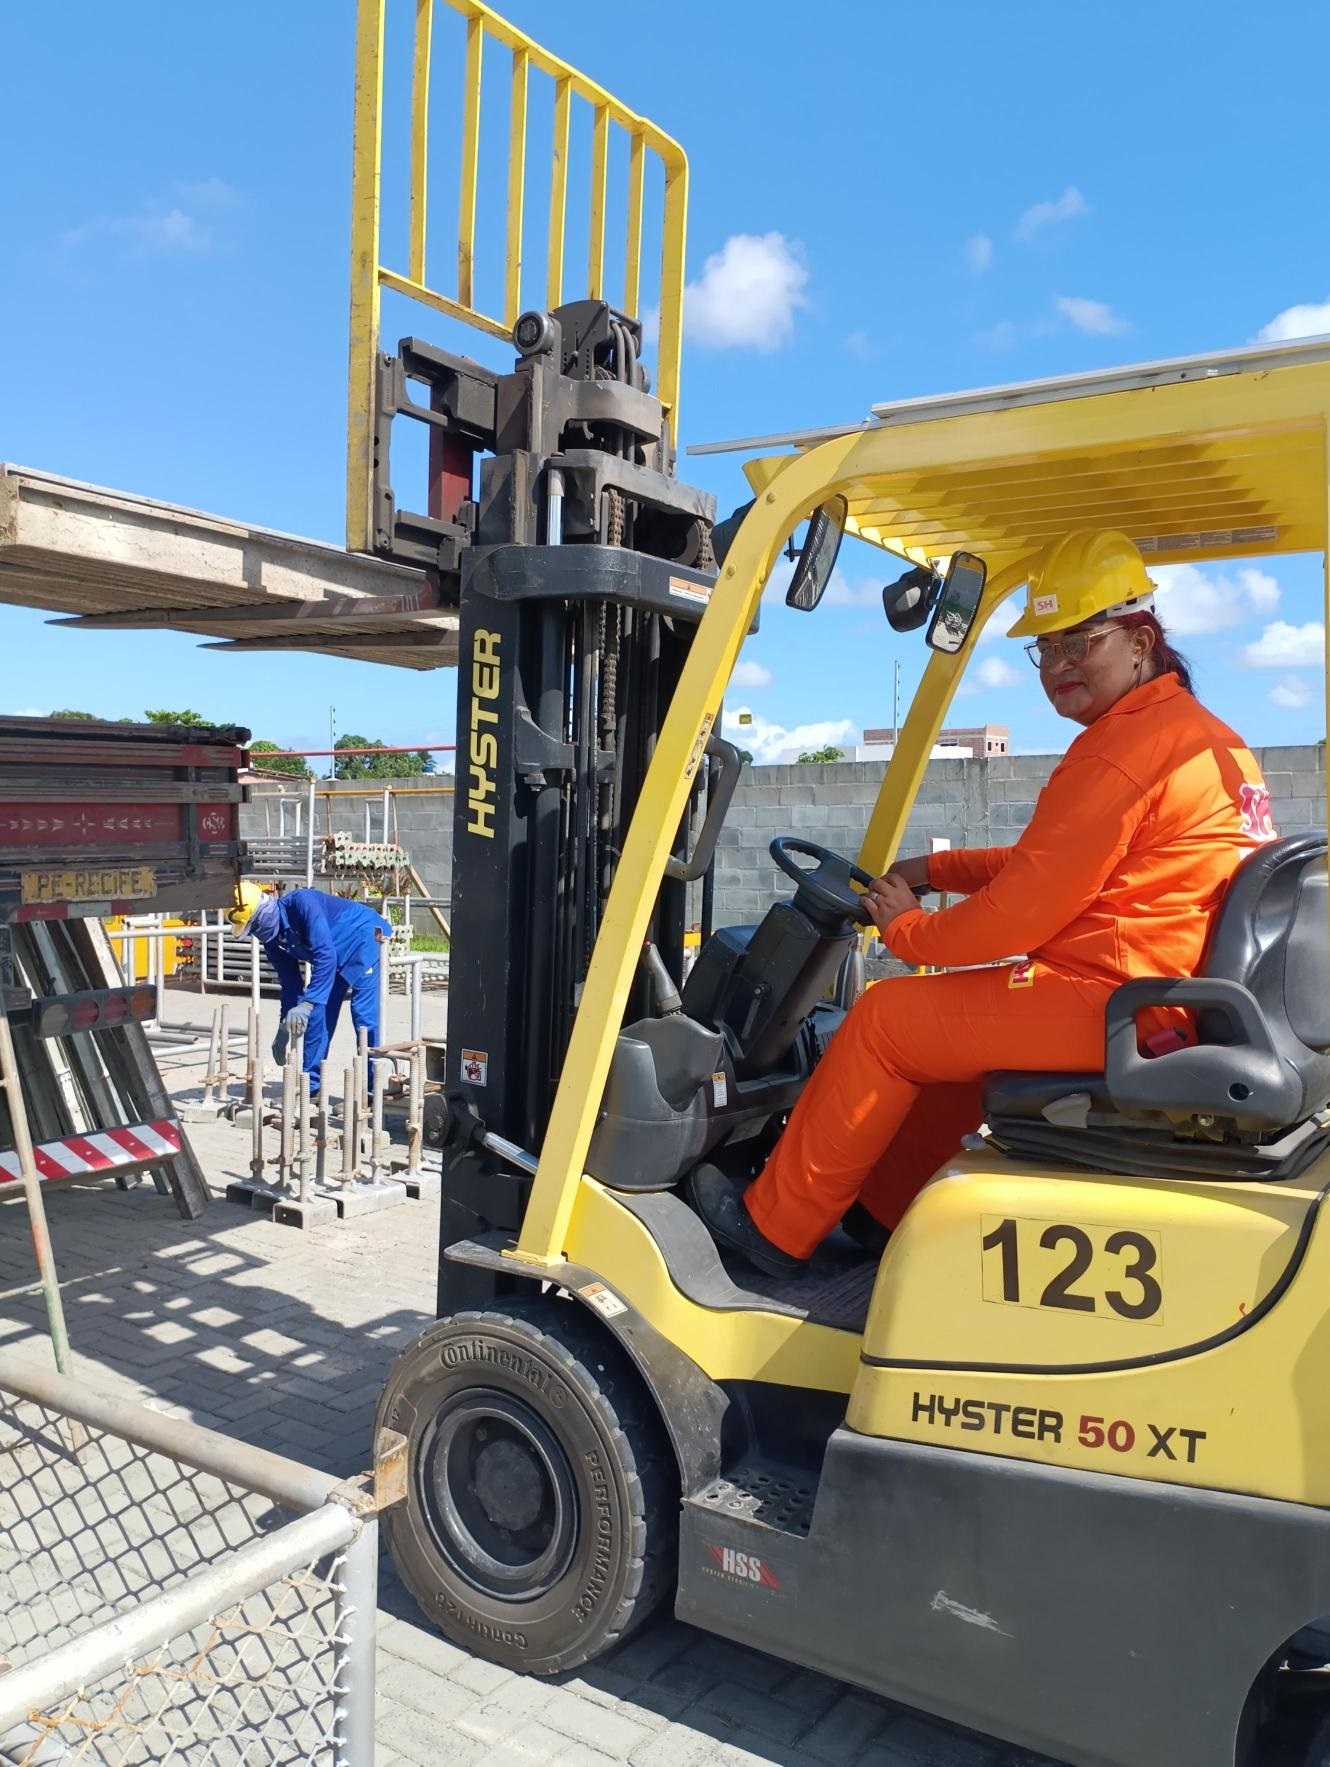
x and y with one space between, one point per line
828 882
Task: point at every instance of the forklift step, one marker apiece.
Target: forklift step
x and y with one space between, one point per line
835 1289
765 1491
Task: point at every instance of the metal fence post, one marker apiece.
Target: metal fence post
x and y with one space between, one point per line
356 1599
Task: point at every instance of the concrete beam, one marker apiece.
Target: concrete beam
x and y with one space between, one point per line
82 550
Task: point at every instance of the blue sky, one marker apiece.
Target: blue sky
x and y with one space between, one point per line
907 201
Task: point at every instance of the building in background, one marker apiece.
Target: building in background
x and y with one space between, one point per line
983 740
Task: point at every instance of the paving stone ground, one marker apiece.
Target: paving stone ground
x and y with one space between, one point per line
283 1338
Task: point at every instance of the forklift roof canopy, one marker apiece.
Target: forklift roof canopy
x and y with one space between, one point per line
1206 456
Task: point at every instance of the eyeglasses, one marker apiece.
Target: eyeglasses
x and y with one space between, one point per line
1075 647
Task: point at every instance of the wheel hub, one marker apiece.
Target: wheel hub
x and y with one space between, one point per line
497 1493
509 1483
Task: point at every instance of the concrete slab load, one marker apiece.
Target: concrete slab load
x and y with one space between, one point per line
112 560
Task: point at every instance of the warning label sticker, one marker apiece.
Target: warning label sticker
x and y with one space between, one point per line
604 1300
475 1067
699 593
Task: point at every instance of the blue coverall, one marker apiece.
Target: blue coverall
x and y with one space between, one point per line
338 940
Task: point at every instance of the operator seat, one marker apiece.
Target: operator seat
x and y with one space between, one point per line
1257 1080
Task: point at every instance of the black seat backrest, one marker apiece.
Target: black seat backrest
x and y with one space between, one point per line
1272 934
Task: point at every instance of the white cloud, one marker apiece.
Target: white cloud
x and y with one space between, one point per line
29 712
164 226
998 337
209 193
1282 646
858 343
978 253
170 233
1094 317
1190 602
1066 207
1304 321
841 592
750 674
994 672
765 741
1003 618
1293 691
747 294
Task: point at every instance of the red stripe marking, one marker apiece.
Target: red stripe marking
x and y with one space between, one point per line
86 1151
136 1149
46 1166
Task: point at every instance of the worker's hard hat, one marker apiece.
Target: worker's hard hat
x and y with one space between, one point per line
249 896
1083 574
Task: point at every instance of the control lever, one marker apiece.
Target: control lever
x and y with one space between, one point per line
668 1002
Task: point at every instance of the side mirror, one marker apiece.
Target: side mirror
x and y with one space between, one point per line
909 600
958 603
817 555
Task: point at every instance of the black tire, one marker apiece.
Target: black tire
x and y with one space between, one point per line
541 1520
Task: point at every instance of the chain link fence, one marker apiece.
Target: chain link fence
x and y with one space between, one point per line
170 1595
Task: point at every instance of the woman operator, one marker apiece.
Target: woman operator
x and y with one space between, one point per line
1119 874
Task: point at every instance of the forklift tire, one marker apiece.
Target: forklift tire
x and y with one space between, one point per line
541 1520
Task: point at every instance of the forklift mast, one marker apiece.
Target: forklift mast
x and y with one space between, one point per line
580 566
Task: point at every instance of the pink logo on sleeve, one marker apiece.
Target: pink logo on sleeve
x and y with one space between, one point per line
1257 822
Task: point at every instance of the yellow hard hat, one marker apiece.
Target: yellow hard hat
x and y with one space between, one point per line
1085 573
247 898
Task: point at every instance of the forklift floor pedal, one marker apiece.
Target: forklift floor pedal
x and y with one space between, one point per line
836 1297
765 1491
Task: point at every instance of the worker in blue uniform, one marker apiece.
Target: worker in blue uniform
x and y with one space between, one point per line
341 942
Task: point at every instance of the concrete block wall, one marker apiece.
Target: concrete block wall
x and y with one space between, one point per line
975 803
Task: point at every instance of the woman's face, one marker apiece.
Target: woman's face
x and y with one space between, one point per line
1115 660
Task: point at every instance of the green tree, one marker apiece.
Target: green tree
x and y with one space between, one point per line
745 755
820 756
294 764
176 718
386 766
84 717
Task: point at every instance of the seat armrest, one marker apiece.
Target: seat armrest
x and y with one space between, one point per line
1246 1082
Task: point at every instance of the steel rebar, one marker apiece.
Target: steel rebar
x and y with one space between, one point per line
224 1062
415 1111
350 1124
210 1075
321 1128
376 1136
306 1151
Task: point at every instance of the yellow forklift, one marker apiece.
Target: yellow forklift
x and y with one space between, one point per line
1058 1466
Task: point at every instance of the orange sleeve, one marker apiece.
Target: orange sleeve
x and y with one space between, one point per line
963 870
1082 824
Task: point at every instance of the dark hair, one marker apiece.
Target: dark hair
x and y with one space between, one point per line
1168 660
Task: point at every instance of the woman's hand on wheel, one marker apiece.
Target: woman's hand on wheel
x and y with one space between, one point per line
887 898
913 872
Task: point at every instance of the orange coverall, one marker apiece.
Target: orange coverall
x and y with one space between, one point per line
1119 874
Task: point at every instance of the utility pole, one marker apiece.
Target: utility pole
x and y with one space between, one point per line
332 741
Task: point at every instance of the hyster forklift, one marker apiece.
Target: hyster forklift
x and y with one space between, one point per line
1058 1466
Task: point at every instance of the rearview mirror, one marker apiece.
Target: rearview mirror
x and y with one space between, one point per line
817 555
958 603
